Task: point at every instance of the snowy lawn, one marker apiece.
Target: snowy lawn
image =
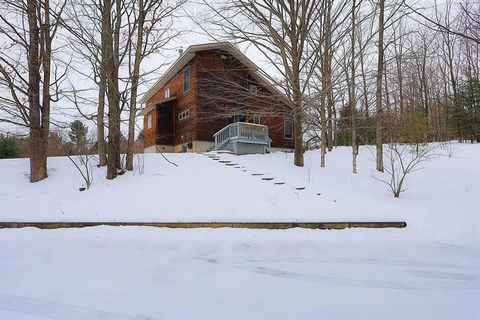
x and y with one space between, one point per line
429 270
201 189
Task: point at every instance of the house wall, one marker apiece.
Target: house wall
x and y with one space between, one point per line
223 91
149 134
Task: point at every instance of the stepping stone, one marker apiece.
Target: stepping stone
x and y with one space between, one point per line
230 164
267 179
257 174
279 183
216 159
225 161
300 188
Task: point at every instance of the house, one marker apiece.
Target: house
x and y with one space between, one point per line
214 97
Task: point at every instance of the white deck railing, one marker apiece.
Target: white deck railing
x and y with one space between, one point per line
242 132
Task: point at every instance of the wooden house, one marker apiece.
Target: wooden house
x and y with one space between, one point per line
214 97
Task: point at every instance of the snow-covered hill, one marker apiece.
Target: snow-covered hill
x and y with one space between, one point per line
203 189
429 270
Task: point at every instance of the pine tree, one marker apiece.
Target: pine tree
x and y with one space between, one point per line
78 134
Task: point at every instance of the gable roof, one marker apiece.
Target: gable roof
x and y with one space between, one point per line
190 53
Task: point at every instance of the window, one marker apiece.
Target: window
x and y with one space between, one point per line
149 121
184 114
253 89
288 129
167 92
186 79
239 118
255 119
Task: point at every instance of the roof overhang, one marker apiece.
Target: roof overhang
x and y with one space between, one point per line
189 54
155 103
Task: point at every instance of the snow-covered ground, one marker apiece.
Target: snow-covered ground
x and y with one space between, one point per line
201 189
146 273
429 270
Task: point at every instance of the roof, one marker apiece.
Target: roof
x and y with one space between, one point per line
190 53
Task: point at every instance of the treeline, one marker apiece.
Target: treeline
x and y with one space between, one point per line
73 141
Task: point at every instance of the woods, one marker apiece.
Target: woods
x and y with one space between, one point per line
351 72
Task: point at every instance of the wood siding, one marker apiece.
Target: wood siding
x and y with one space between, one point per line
149 134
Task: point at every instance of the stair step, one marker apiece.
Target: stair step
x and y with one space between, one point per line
279 183
300 188
267 179
230 164
257 174
225 161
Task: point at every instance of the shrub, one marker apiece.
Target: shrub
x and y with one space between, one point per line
9 148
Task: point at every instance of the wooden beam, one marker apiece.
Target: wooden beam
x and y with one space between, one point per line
246 225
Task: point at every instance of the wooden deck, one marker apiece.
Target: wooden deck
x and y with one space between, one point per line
247 225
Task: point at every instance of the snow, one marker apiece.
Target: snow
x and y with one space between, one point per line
201 189
429 270
148 273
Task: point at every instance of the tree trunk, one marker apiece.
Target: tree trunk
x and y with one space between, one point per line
379 109
102 149
323 130
352 96
298 136
133 95
38 150
112 92
116 64
328 74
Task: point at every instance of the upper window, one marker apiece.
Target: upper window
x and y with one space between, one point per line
255 119
239 118
253 89
149 121
186 79
288 129
167 92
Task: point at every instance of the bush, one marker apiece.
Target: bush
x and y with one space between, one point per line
9 148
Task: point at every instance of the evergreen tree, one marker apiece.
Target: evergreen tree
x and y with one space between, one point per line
78 133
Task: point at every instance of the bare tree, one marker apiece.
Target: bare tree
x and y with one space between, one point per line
402 161
83 21
154 31
378 93
353 98
31 28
